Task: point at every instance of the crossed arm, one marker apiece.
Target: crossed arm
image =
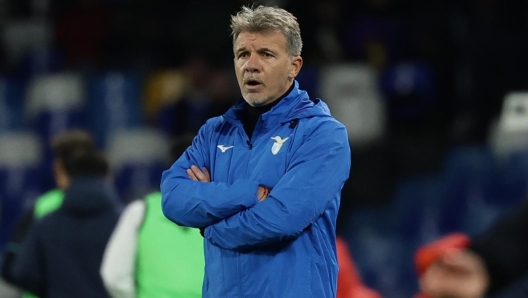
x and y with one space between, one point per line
233 216
203 176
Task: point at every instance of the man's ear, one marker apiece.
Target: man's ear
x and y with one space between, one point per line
59 172
296 65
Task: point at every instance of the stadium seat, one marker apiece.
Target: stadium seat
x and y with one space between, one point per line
351 91
40 61
54 103
418 206
113 104
308 79
410 90
11 105
20 158
22 37
472 177
510 133
514 179
137 158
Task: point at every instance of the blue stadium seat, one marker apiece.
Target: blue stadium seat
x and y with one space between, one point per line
40 61
113 104
54 104
382 256
418 206
410 90
20 158
308 79
473 183
11 105
137 157
515 179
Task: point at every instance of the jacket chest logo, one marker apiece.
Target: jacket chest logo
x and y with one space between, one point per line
224 148
278 144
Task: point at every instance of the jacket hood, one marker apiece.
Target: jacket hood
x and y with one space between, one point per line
88 195
296 105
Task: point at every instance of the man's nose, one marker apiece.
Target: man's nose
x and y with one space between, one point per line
252 64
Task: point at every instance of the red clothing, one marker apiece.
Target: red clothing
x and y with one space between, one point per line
427 254
349 283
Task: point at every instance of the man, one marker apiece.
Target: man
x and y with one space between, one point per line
263 181
61 255
62 146
148 256
493 261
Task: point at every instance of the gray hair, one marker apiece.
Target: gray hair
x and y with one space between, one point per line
265 18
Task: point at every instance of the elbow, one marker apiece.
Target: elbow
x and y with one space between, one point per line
172 206
114 284
172 210
180 213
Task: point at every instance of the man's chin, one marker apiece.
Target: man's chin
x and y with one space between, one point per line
255 101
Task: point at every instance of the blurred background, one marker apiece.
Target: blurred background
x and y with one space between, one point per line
434 95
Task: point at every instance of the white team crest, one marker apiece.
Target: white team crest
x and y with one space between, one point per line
278 144
224 148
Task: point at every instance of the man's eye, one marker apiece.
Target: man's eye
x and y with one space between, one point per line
242 55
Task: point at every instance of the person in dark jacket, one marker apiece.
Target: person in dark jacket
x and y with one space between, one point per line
491 262
61 255
62 145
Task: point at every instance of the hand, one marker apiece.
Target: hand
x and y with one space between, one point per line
459 274
197 175
262 193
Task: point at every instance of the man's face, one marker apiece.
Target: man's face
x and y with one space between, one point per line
264 69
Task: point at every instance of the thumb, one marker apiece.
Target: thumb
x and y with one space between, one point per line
459 260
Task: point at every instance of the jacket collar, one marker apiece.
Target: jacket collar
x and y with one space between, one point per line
295 105
88 195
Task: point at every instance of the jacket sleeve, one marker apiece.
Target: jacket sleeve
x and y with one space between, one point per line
504 248
197 204
29 267
119 259
314 177
14 244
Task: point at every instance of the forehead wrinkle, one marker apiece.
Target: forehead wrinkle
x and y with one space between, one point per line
254 36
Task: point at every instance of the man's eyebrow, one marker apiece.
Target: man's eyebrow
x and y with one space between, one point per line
240 49
262 50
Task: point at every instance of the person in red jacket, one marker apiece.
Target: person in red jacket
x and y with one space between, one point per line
349 283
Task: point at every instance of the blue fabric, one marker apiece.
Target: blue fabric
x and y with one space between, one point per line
283 246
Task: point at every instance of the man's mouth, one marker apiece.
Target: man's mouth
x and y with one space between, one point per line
252 84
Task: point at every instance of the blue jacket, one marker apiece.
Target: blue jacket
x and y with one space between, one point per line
285 245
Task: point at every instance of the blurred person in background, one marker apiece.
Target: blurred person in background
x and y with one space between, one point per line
263 181
349 282
62 253
63 145
492 261
148 256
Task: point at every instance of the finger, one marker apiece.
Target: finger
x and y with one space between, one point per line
207 174
198 173
192 175
457 261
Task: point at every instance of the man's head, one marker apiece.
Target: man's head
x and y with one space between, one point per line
267 47
86 162
64 146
